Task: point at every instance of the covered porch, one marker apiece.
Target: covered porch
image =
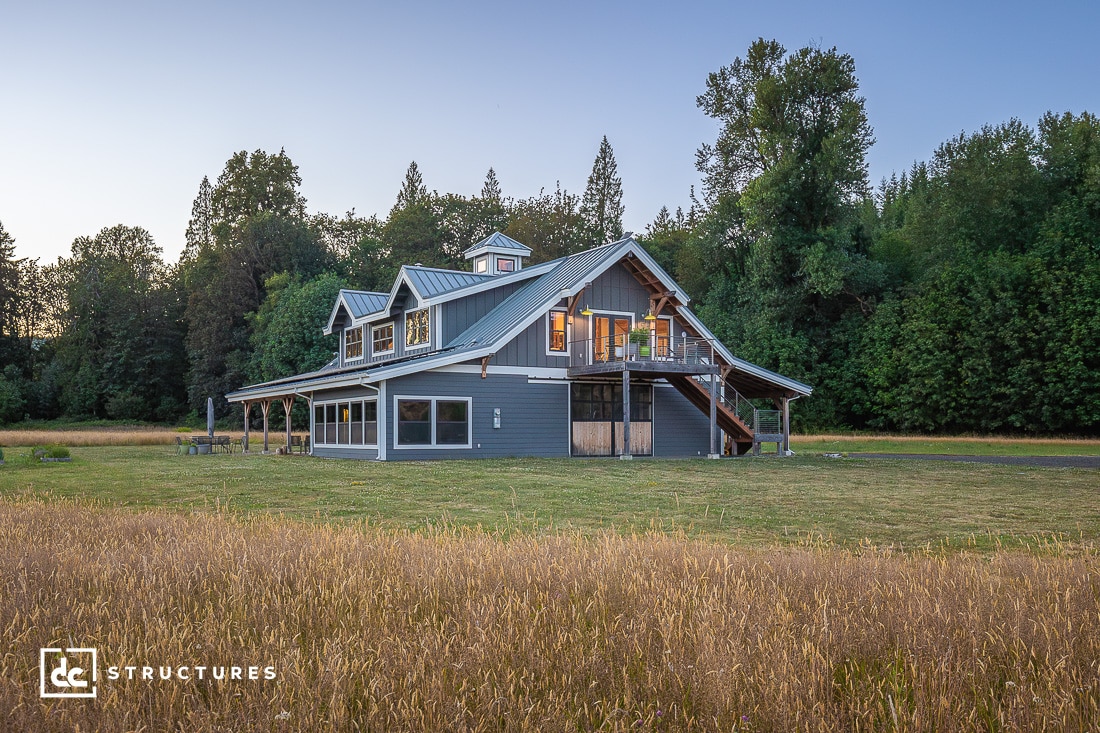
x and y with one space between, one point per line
264 404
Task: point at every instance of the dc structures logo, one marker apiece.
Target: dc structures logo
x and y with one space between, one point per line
72 672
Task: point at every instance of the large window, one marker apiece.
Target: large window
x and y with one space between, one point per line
382 339
417 328
353 343
556 332
352 423
432 422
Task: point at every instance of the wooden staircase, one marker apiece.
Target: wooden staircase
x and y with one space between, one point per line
698 395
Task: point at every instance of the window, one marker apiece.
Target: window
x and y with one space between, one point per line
506 264
433 422
382 339
353 343
417 328
481 264
662 330
351 423
556 332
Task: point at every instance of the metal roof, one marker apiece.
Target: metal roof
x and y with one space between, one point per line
431 281
502 323
362 303
499 241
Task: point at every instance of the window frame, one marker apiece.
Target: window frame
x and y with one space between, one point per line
338 409
433 422
506 271
550 351
347 332
374 339
427 328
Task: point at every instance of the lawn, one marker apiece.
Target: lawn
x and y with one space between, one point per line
752 502
960 445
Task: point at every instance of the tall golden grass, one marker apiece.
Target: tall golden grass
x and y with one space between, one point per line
460 630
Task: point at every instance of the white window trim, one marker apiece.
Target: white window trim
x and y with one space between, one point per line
362 345
405 323
433 400
358 446
393 339
499 259
549 351
592 327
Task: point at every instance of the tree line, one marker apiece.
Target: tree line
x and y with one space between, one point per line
960 295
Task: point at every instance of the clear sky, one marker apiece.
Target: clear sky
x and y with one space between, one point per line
112 112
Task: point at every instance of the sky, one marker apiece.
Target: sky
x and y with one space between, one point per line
112 112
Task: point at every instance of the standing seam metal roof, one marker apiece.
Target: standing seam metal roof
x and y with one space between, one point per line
430 281
503 241
363 303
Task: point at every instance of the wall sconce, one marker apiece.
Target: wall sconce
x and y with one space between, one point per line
649 315
587 311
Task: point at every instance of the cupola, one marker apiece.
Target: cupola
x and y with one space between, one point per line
497 254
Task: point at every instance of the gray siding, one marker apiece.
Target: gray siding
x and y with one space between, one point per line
534 417
679 428
618 291
364 454
529 349
460 314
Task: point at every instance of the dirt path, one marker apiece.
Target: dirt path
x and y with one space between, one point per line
1042 461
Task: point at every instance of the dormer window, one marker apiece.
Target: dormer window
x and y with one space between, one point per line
481 265
417 328
353 343
506 264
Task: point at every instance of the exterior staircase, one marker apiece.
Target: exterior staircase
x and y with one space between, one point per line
730 419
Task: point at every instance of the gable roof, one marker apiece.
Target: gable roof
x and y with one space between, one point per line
549 283
357 303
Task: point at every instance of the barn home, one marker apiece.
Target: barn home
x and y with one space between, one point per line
593 354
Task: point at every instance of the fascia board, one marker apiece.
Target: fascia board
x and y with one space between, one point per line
402 277
336 309
745 366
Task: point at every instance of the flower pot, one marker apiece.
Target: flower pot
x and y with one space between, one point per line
203 449
643 351
192 450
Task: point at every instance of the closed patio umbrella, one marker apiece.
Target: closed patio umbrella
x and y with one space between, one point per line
210 416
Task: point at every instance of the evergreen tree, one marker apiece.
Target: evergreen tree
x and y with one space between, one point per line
200 228
602 203
413 191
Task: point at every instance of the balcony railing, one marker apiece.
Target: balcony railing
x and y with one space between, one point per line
656 349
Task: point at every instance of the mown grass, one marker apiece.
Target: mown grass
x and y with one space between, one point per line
767 501
458 630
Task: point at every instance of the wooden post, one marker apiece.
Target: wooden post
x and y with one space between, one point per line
247 409
626 454
265 405
288 405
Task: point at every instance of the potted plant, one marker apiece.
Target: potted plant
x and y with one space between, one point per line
639 340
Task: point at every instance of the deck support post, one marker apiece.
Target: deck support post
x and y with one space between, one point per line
626 455
714 415
288 405
265 405
244 441
786 448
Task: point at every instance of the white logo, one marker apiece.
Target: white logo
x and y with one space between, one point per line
71 669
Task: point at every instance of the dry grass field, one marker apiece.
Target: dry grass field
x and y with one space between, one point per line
390 630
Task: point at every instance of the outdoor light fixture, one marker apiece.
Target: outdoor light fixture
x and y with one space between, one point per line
649 315
587 311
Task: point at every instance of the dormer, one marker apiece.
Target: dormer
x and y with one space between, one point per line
497 255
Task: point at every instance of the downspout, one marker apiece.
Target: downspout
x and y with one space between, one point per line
309 401
380 432
787 425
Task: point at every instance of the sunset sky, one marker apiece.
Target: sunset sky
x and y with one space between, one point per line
111 113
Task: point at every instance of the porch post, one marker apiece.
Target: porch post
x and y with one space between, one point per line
288 405
266 407
626 455
714 416
247 409
786 426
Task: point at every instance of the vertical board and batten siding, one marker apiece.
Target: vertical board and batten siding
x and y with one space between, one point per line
529 349
460 314
680 429
534 417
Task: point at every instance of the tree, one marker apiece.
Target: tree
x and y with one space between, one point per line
413 191
200 228
120 354
286 330
9 284
602 203
256 184
790 156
